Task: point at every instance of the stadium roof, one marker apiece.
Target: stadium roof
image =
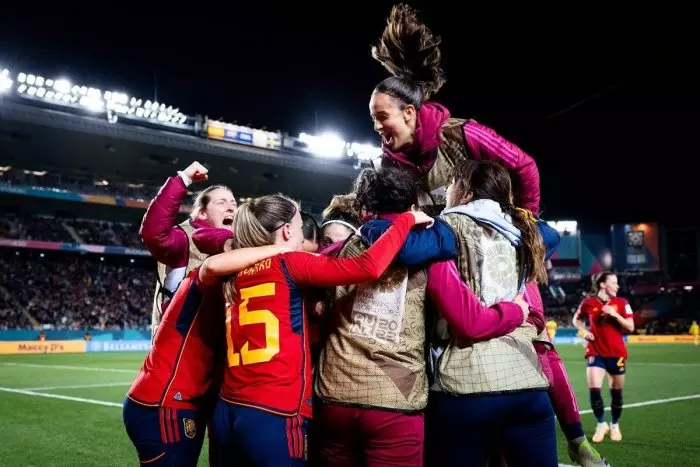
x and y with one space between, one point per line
39 138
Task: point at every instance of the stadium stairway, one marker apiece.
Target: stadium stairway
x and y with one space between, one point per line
73 233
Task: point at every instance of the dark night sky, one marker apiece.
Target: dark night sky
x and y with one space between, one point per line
623 155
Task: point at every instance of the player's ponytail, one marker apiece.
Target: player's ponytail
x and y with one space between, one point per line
258 220
256 224
533 248
411 53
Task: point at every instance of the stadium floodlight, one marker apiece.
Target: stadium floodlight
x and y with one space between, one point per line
62 85
5 81
329 145
364 152
564 226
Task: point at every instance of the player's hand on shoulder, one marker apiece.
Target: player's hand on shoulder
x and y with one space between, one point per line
588 335
422 218
518 300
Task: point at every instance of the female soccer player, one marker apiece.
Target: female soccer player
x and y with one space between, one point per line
493 391
609 317
262 416
168 405
340 221
419 134
372 374
312 234
170 243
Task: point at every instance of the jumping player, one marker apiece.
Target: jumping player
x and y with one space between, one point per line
419 134
609 317
265 407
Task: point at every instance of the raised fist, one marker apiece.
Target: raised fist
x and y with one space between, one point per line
196 172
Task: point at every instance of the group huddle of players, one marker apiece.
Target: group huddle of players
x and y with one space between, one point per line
433 349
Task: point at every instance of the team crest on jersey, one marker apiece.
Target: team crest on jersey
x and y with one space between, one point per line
177 396
190 427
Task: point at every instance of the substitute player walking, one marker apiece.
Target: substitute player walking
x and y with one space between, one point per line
609 317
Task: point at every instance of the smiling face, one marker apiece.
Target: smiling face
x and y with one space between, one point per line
220 209
394 121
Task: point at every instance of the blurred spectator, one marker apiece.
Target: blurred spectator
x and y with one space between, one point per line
70 291
53 230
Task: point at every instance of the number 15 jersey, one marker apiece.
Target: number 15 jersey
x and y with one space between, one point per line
267 345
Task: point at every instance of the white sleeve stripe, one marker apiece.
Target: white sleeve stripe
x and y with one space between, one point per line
628 309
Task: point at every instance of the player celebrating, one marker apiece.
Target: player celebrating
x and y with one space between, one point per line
265 406
167 406
170 243
609 316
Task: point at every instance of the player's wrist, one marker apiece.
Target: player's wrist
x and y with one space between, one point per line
185 178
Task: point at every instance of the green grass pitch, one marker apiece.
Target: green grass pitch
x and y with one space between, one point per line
64 410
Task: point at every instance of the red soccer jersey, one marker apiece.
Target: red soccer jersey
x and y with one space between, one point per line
183 362
608 332
267 341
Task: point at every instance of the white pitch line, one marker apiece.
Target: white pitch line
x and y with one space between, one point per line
652 402
79 386
58 396
66 367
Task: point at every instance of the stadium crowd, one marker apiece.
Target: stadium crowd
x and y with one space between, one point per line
70 291
51 229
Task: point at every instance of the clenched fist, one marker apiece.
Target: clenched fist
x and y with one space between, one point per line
196 172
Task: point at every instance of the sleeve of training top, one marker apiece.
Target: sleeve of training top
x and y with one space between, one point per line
167 243
211 240
433 244
324 271
461 309
532 297
486 144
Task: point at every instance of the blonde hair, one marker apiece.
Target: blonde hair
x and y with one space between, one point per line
204 197
256 224
258 220
342 203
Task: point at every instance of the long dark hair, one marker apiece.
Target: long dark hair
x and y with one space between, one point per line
387 190
411 53
490 180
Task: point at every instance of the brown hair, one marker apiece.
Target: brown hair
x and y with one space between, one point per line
411 53
490 180
204 197
256 224
342 204
600 278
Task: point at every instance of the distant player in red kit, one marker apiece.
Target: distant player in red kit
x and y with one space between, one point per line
609 317
165 409
265 407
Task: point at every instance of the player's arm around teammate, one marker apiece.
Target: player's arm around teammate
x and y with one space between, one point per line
265 407
167 406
